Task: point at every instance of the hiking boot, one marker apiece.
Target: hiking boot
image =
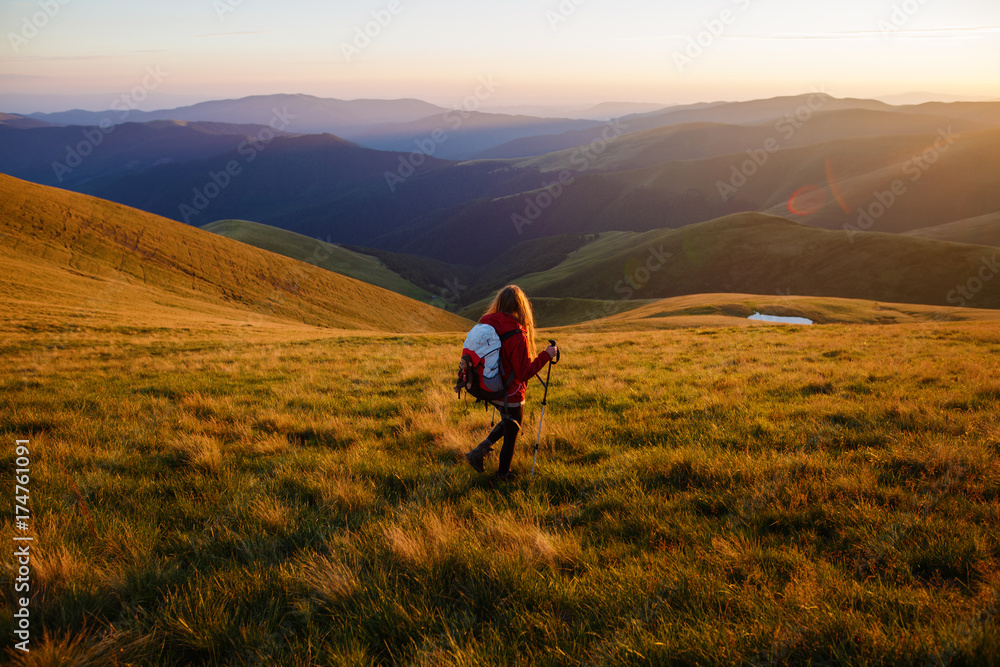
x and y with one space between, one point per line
501 477
476 456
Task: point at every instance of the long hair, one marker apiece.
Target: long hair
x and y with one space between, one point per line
513 301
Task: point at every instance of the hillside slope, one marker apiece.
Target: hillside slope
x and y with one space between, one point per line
73 260
935 180
735 309
70 157
314 251
462 134
824 184
695 141
752 253
981 230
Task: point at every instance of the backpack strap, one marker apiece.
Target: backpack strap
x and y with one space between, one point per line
510 378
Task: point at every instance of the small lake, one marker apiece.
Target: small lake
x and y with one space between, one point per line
780 319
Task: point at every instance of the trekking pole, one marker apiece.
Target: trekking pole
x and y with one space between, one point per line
548 375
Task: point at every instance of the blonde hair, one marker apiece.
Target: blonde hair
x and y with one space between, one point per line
514 302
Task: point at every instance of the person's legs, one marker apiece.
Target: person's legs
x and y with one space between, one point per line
483 449
511 425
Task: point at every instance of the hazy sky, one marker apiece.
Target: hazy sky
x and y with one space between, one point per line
537 51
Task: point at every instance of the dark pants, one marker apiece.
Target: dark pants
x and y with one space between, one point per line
510 424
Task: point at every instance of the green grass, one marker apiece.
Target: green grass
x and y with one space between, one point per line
755 253
981 230
313 251
704 496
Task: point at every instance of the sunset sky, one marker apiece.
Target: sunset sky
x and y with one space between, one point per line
539 52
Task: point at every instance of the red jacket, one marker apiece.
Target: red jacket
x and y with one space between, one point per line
514 356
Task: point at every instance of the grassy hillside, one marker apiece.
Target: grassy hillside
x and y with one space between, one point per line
463 134
683 168
753 112
759 254
313 251
981 230
694 141
965 166
728 310
732 310
709 496
841 177
70 260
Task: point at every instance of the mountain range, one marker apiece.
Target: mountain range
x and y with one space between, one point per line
540 189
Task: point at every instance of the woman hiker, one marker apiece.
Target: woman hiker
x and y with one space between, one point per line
511 310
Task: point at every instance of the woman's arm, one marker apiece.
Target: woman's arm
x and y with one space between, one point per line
524 368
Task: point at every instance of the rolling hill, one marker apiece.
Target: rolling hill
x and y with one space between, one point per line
934 180
824 184
20 122
733 310
759 254
794 121
754 112
459 134
281 180
365 268
73 157
981 230
73 261
830 172
695 141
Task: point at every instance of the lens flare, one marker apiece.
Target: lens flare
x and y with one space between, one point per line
835 189
806 200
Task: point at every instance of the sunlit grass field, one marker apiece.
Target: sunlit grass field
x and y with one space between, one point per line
765 495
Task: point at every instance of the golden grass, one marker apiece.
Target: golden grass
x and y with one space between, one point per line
78 261
201 452
718 495
320 577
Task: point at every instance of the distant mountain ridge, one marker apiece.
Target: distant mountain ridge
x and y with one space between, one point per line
72 156
307 113
818 160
